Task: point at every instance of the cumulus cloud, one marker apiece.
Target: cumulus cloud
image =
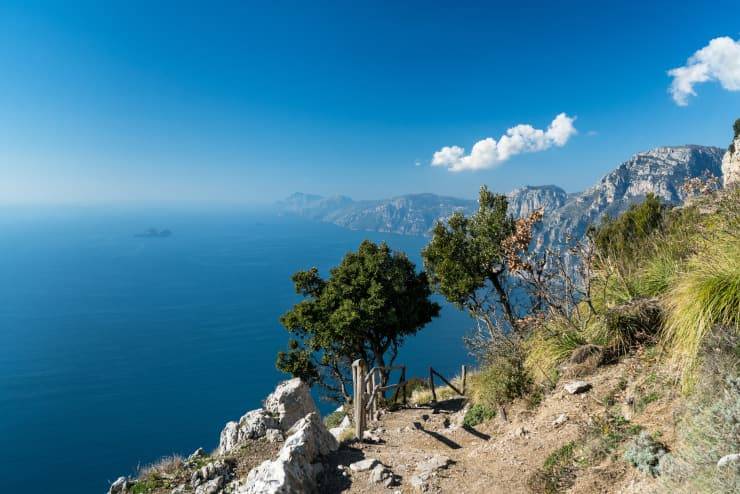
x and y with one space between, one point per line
522 138
718 61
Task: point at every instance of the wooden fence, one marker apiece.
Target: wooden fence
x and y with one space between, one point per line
368 390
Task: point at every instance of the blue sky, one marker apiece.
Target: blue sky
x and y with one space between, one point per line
215 101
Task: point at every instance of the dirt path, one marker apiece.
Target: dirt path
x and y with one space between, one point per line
495 457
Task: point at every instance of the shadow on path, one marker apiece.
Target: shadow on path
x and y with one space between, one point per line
439 437
476 433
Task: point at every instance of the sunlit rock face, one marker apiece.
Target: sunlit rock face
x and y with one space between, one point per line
661 171
731 164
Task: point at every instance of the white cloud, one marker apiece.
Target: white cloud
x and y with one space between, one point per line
718 61
522 138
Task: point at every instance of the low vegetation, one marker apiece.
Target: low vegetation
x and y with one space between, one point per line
477 414
657 282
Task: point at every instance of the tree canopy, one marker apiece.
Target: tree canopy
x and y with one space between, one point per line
466 258
366 308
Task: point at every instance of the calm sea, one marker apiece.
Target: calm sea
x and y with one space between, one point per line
116 350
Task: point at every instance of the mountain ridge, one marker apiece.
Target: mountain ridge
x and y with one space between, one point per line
660 171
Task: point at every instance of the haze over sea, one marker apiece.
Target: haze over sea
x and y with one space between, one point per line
117 350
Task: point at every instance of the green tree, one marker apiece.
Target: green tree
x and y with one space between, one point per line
366 308
624 237
467 261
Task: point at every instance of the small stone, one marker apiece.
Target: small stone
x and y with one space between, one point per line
370 437
363 465
560 420
521 432
577 387
728 460
379 474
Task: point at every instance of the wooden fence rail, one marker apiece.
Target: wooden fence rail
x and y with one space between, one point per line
368 388
463 377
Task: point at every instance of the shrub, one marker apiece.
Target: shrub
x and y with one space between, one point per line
710 426
645 453
502 379
705 296
478 414
622 327
624 237
548 347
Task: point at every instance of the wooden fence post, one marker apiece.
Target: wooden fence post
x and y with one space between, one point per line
403 380
464 375
375 394
431 385
358 378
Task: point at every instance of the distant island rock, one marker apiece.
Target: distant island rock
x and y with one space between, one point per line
154 233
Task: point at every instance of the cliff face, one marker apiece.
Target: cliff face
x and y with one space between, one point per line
660 171
525 200
731 164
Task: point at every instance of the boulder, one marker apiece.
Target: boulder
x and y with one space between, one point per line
295 469
213 486
254 424
290 402
577 387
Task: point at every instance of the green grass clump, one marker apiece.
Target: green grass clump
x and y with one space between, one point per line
622 327
478 414
145 486
705 296
556 473
334 419
547 348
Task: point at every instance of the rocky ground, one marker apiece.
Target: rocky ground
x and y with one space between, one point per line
573 440
427 449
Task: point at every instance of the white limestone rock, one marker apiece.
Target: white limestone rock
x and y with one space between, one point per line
729 460
345 424
254 424
363 465
290 402
731 164
294 470
211 471
577 387
120 486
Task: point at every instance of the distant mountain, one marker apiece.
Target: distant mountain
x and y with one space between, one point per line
661 171
412 214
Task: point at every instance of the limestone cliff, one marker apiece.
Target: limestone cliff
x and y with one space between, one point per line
731 164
